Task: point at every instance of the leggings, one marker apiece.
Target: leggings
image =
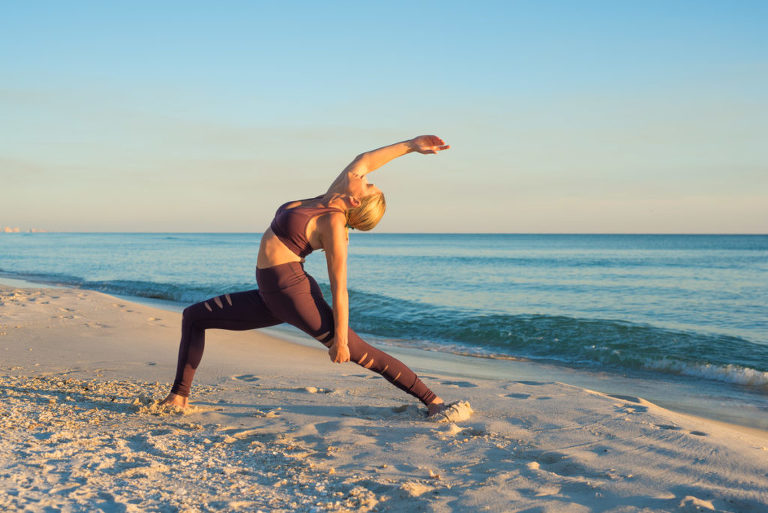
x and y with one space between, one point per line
286 293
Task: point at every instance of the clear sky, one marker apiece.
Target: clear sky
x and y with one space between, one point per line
563 117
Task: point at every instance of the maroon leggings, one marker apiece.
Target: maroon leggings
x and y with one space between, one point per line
286 294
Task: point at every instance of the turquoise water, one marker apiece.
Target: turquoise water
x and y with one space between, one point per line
665 305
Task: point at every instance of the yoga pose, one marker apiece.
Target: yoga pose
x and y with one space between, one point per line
287 293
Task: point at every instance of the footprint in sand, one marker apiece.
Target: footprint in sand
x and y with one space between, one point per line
248 378
626 408
366 412
518 396
411 409
677 428
95 325
535 383
459 384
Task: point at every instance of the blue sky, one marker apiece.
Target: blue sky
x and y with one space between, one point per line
564 117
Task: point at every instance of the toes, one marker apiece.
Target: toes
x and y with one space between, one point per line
438 409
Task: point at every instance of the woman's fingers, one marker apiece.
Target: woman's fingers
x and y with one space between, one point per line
339 354
438 148
436 141
431 144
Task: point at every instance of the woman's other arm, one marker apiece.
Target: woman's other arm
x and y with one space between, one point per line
334 240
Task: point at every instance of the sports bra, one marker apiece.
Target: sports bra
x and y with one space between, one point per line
290 225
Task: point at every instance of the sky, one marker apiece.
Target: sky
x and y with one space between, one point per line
563 117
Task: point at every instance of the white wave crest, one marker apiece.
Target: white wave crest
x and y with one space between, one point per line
726 373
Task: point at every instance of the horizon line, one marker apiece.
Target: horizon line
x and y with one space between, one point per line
382 233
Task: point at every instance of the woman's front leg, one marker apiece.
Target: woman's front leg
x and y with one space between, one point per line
238 311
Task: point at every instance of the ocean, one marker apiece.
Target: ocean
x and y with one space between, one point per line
687 309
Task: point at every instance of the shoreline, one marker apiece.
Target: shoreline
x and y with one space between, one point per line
275 426
683 394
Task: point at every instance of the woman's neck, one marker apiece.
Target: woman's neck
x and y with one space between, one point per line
335 199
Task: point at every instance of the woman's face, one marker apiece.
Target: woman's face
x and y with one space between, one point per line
360 188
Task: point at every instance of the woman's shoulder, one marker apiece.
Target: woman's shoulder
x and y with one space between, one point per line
290 205
331 225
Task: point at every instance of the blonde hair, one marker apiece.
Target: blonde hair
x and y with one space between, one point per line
368 214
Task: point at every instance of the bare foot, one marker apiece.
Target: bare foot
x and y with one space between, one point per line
175 400
435 407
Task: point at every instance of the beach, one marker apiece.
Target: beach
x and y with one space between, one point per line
555 215
275 426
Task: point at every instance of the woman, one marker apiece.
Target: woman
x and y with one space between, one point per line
288 294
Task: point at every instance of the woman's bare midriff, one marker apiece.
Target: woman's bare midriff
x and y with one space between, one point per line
273 252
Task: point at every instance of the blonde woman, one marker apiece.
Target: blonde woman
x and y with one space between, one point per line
287 293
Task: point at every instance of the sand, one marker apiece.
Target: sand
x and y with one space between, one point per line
275 426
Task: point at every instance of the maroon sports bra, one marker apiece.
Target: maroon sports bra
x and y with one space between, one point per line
290 225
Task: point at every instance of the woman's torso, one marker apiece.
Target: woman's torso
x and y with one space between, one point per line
293 233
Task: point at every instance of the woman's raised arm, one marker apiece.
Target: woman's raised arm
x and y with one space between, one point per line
374 159
371 160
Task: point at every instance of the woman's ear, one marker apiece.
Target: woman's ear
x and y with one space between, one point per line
351 201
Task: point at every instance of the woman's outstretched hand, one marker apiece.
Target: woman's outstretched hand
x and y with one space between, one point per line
339 353
428 144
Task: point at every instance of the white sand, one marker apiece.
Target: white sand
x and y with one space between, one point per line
277 427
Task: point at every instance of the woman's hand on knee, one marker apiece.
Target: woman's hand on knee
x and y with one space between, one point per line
339 353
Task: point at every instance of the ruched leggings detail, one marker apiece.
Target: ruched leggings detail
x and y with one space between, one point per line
286 293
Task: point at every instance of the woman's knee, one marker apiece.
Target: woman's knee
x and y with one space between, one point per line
204 308
192 314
